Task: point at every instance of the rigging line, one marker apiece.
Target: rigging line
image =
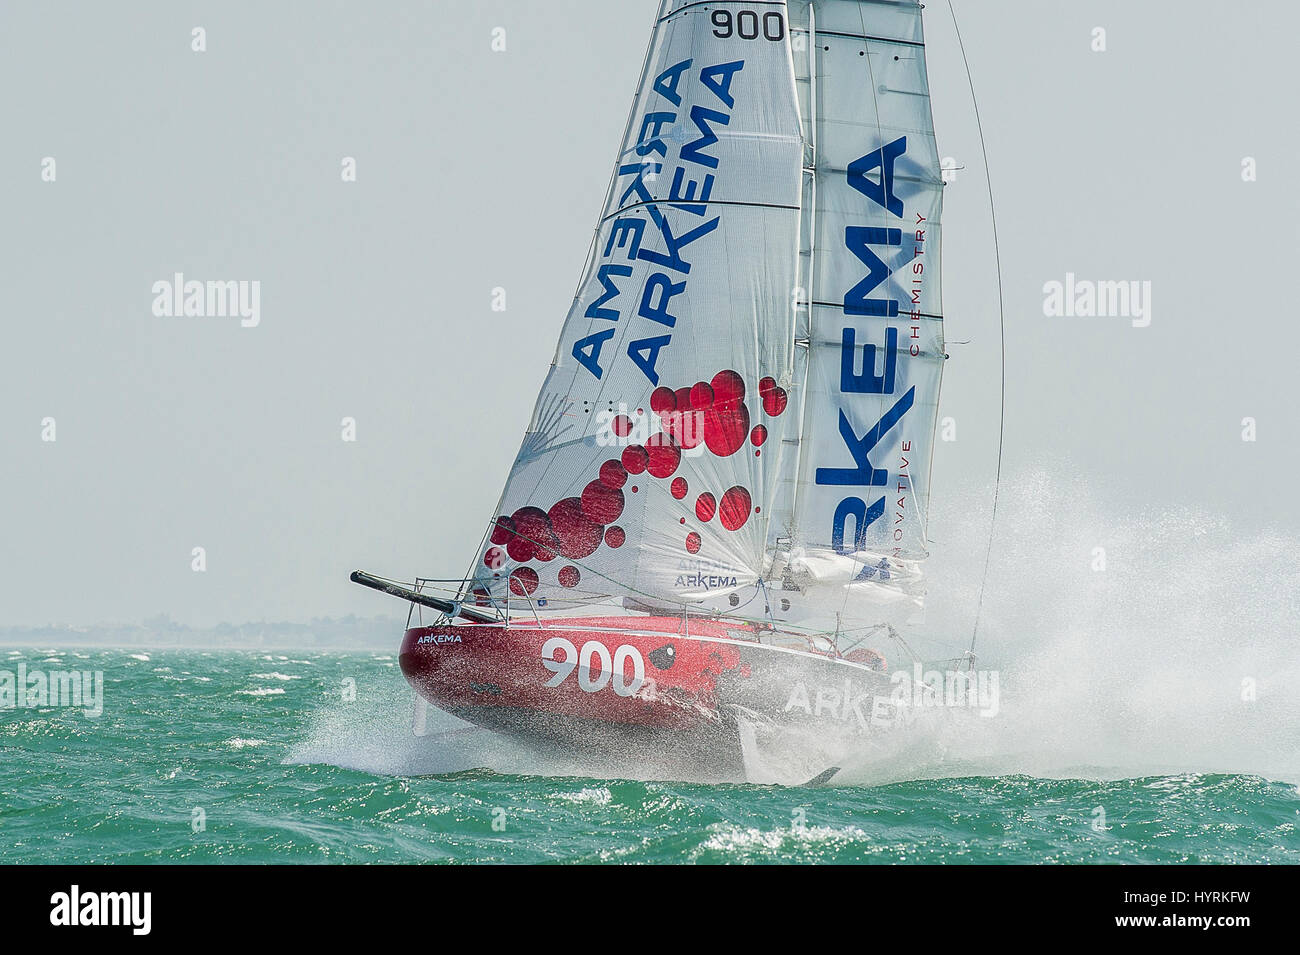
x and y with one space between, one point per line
1002 332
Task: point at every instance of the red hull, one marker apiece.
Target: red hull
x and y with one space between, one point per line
645 688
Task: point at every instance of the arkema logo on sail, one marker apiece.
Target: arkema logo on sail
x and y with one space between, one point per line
692 180
863 300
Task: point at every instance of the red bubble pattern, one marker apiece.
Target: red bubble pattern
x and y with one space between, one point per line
664 454
773 397
734 510
635 459
613 474
711 413
523 581
602 503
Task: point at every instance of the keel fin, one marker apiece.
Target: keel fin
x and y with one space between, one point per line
822 778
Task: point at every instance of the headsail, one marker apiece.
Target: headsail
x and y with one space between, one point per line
658 436
746 385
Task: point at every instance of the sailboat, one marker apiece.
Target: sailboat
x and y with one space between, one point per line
713 537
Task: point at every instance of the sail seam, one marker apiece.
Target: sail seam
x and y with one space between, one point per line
840 306
864 36
699 202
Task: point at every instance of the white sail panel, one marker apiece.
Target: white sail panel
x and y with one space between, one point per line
873 330
653 454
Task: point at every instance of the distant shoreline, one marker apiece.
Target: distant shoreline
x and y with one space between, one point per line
161 633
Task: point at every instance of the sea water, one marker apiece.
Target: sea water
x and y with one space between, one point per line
1148 713
309 757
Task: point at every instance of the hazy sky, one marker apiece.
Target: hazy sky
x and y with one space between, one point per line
478 170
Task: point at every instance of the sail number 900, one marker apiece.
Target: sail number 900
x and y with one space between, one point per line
746 25
596 667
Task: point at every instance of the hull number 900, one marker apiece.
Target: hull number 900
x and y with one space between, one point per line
596 668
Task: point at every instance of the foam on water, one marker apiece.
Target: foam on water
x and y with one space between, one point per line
1145 667
373 734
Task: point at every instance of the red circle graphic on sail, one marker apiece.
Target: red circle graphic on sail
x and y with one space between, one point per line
523 581
726 422
773 396
635 459
532 535
734 511
578 535
613 474
502 530
602 503
663 401
665 456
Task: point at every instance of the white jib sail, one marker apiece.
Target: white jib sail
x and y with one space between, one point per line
654 450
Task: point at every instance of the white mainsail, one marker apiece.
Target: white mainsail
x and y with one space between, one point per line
873 331
745 386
